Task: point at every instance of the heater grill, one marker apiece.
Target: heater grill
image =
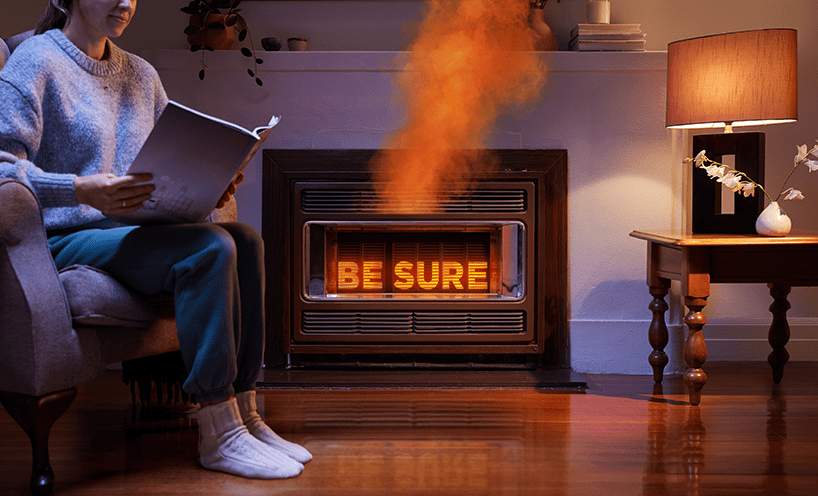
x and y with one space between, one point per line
367 201
317 322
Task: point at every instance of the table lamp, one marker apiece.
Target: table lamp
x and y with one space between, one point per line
746 78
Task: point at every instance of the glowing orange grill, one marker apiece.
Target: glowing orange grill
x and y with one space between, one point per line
399 260
420 263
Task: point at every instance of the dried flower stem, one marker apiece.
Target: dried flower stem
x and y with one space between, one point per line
730 179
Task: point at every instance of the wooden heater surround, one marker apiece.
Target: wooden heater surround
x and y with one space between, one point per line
540 177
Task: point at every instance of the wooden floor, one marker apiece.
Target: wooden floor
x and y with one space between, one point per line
620 437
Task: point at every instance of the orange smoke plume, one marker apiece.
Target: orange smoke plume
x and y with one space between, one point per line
472 60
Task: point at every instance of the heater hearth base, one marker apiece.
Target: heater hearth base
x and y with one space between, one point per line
477 281
422 378
403 360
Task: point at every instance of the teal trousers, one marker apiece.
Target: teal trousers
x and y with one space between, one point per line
216 275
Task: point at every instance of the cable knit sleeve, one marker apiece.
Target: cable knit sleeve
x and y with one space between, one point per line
20 134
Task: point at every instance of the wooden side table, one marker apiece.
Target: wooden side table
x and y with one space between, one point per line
699 259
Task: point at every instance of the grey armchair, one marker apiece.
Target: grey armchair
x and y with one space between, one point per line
58 330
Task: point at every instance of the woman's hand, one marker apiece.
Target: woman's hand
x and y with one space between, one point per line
111 194
230 191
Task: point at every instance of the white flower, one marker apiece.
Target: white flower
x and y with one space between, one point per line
802 153
726 177
731 181
794 194
714 171
748 189
732 178
699 158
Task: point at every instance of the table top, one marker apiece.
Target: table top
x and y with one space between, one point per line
681 238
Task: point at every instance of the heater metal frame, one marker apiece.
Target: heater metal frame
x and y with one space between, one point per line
545 339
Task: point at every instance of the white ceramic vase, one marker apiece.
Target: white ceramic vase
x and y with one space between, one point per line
773 221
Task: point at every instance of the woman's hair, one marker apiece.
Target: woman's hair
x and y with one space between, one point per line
55 16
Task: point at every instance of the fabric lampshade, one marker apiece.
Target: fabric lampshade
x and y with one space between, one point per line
740 79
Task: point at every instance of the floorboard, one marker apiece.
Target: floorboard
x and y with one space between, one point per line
621 436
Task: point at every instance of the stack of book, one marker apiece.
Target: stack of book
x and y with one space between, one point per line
607 38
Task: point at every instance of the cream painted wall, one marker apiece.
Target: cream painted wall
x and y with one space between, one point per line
737 315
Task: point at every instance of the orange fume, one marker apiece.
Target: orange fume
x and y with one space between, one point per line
472 60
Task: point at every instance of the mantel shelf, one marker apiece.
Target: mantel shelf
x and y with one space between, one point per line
391 61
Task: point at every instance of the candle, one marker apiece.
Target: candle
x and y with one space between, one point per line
598 11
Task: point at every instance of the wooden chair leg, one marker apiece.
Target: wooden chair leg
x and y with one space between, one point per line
36 415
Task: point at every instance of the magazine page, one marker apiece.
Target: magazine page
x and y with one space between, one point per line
255 132
193 158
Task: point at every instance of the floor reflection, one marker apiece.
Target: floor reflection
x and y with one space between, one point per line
678 446
412 413
775 475
623 437
440 441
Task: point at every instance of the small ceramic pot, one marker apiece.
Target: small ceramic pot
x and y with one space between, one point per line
773 221
217 39
296 44
271 44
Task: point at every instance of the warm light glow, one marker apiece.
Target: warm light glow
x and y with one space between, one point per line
348 275
726 126
452 273
445 276
743 79
477 275
405 278
396 262
372 275
472 60
428 284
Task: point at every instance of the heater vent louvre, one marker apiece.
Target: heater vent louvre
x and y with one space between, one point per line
412 322
368 201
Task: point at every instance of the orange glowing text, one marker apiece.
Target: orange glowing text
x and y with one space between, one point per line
408 276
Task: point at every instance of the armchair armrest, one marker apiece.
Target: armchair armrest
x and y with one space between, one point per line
39 352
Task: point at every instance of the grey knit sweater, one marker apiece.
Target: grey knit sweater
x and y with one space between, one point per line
64 114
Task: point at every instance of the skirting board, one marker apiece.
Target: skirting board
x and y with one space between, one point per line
622 347
746 340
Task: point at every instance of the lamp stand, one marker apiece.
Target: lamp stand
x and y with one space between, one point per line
707 218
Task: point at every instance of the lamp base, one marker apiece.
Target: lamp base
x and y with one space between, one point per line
748 149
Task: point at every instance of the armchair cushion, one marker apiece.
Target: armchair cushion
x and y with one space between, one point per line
4 53
97 299
18 38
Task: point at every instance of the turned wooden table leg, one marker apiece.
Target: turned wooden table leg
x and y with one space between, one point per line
779 333
657 333
695 348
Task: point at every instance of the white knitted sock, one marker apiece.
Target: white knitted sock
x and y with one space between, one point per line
227 446
255 424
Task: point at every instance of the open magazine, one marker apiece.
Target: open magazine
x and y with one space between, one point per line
193 158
